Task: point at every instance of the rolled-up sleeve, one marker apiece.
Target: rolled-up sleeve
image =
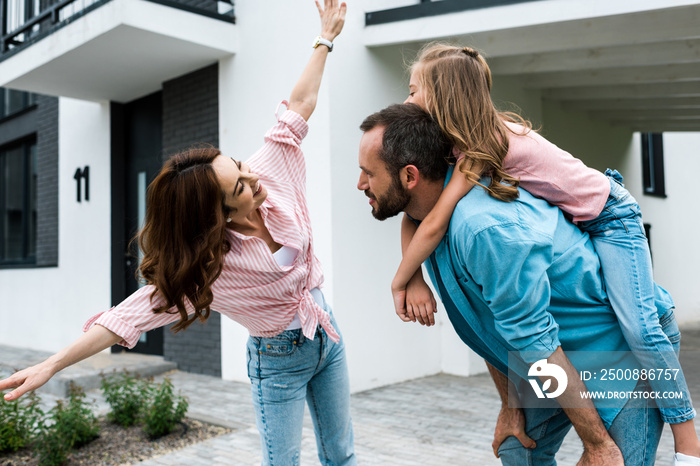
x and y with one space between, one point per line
511 268
132 317
281 156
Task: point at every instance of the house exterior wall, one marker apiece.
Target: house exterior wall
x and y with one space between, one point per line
359 254
45 307
674 223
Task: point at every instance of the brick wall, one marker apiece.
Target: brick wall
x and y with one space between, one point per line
197 349
47 181
191 110
191 116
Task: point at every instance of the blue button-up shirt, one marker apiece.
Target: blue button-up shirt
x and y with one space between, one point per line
518 279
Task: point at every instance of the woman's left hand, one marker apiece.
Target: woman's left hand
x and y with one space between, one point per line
332 18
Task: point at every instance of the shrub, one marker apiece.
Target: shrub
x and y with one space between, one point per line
162 413
126 395
20 421
71 426
51 446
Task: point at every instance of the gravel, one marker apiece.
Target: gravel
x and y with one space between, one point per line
117 445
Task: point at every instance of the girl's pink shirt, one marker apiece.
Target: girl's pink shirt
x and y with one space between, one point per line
253 289
553 174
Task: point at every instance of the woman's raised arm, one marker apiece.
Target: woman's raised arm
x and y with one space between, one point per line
305 91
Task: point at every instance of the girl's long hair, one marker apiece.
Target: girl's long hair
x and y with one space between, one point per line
183 238
456 83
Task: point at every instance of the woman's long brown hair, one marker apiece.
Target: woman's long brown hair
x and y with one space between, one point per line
457 89
183 238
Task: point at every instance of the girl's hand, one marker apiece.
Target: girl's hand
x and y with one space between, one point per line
398 293
332 18
399 298
420 305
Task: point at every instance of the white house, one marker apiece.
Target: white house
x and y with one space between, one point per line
119 84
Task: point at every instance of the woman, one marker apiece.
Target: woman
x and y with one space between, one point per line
235 237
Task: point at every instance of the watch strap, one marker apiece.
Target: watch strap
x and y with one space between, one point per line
321 41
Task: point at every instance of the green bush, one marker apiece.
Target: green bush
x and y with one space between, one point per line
69 426
162 412
133 399
20 421
126 395
72 424
51 446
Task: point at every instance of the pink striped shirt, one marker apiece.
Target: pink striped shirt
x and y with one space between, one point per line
253 289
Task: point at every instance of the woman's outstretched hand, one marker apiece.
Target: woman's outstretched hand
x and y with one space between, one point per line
332 18
91 342
26 380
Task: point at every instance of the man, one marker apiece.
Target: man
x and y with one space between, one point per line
521 285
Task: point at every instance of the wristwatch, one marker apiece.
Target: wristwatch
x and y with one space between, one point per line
321 41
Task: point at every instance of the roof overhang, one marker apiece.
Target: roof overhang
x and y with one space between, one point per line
117 52
633 63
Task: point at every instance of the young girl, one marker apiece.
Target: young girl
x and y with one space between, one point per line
453 84
235 237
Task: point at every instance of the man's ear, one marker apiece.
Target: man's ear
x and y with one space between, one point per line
410 176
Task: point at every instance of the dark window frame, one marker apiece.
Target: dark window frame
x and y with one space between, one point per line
653 173
28 102
27 258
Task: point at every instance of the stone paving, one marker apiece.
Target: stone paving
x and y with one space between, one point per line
436 420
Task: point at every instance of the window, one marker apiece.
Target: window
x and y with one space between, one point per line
18 180
653 164
12 101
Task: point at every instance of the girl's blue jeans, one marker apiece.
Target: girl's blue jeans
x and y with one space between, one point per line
619 239
288 370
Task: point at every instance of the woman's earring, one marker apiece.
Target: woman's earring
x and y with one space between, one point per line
228 220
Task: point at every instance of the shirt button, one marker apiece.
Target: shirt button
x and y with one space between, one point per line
268 346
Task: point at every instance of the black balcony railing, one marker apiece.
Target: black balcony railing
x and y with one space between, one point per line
23 22
432 8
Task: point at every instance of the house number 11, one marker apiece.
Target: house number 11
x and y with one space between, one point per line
79 175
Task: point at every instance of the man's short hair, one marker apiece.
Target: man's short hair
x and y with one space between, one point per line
411 137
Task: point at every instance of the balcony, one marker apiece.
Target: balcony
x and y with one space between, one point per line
114 50
632 64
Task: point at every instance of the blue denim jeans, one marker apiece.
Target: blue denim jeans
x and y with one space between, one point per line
636 430
285 371
619 239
